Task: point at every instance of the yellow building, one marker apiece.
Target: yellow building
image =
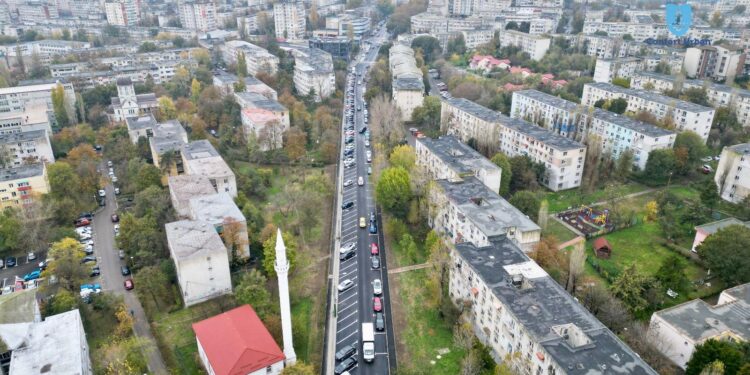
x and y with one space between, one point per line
21 185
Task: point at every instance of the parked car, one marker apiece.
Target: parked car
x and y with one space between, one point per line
349 246
347 205
2 263
345 285
362 222
706 169
95 271
125 270
82 222
379 322
345 366
10 262
102 193
377 304
348 183
377 287
121 254
128 283
373 228
375 262
361 181
117 191
109 163
115 218
88 259
31 257
374 249
346 352
33 275
347 255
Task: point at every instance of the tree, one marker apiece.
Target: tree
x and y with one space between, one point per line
727 254
728 352
167 110
527 202
403 156
630 286
694 145
299 368
393 190
456 45
386 124
124 322
269 252
67 254
618 105
512 25
195 90
59 106
295 143
717 20
660 166
609 310
63 301
547 255
148 175
507 174
524 173
153 283
252 290
428 114
429 46
241 65
671 273
622 82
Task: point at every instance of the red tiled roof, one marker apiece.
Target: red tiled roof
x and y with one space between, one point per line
600 243
236 342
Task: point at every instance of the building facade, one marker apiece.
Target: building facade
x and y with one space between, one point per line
289 18
732 176
23 185
608 69
535 45
198 15
447 158
313 72
123 12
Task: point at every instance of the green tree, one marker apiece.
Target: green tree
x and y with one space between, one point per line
428 114
630 286
67 254
59 106
408 246
527 202
403 156
671 273
167 110
252 290
429 46
659 167
727 254
147 47
507 174
697 95
622 82
10 229
618 105
393 190
241 65
153 283
624 165
456 45
694 145
63 301
705 354
269 252
299 368
195 90
148 175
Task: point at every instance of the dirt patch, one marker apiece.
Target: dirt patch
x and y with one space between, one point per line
398 315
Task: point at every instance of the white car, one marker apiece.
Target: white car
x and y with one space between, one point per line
377 287
360 181
347 247
344 285
102 193
109 163
348 183
114 178
367 143
117 191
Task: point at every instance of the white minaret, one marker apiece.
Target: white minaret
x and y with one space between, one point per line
281 265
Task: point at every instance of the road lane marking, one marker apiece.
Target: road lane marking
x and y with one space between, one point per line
348 336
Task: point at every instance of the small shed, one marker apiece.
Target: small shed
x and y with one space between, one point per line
602 248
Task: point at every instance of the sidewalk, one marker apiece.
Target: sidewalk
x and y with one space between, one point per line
408 268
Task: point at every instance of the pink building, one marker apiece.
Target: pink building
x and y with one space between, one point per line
487 63
705 230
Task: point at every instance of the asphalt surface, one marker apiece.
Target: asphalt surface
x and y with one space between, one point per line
355 305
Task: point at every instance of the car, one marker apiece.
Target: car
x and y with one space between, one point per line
363 130
345 285
377 287
412 130
379 322
707 159
117 191
115 218
372 216
102 193
33 275
346 352
369 170
43 264
347 255
361 181
128 284
377 304
121 254
109 163
367 143
95 271
348 183
362 222
374 249
82 222
31 257
125 270
373 229
706 169
89 250
375 262
114 178
347 205
345 366
349 246
10 262
88 259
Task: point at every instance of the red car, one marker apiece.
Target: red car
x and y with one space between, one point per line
374 249
115 218
129 284
377 306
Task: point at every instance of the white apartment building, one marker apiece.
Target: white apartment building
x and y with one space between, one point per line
447 158
200 259
478 37
183 188
408 94
678 333
718 62
733 173
200 158
601 47
258 59
430 23
23 184
563 158
468 211
515 307
167 136
469 121
23 98
198 15
266 119
123 12
684 115
39 11
639 31
28 147
226 82
608 69
289 18
313 72
220 211
535 45
33 118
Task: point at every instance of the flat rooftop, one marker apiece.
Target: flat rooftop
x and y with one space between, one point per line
634 125
492 214
651 96
141 122
193 238
23 171
257 100
168 136
200 149
215 208
407 83
23 136
742 148
549 138
548 99
185 187
713 227
475 109
457 155
545 309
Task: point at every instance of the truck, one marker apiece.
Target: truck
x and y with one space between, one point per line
368 342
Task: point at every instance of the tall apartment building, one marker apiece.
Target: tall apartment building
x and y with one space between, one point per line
468 211
257 59
37 11
23 98
447 158
615 133
684 115
516 308
608 69
289 18
638 30
733 173
599 46
718 62
23 184
198 15
535 45
313 72
123 12
408 86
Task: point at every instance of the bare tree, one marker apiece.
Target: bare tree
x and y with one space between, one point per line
270 136
387 126
576 262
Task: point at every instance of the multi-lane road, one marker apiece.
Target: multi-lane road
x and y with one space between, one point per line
354 306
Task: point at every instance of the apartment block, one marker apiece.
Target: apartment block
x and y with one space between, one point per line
313 72
198 15
23 184
123 12
200 158
599 46
717 62
516 308
22 98
289 18
226 82
447 158
733 173
265 119
467 210
35 117
470 122
220 211
608 69
535 45
183 188
408 86
684 115
257 59
168 136
26 147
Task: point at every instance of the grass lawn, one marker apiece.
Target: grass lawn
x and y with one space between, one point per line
561 200
420 332
559 231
